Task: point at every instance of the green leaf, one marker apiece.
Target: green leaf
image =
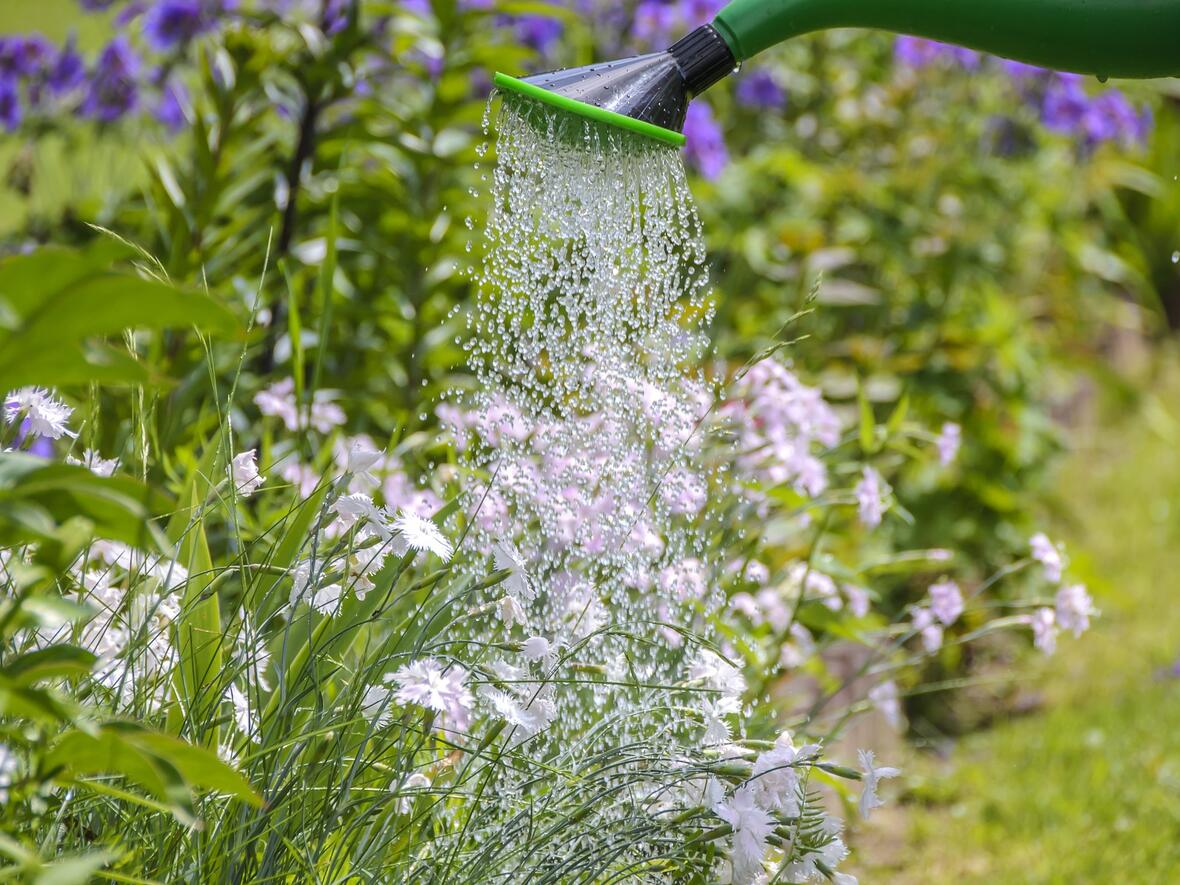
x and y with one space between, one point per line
74 870
166 767
55 302
38 495
49 663
899 415
868 423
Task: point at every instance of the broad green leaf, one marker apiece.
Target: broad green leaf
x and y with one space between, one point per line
31 489
55 302
49 663
74 870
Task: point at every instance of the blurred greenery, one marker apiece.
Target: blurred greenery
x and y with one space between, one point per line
1089 789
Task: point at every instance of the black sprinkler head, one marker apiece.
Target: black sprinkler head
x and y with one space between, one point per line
648 94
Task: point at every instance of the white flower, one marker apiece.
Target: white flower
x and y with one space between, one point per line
1044 627
434 684
1049 555
872 777
884 698
243 470
278 400
422 534
773 779
518 582
859 602
751 827
718 674
529 715
871 497
8 766
511 612
303 478
946 601
97 464
241 705
925 624
322 598
949 442
45 415
714 713
360 461
1074 608
537 648
358 509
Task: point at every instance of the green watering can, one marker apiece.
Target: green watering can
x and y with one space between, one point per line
649 94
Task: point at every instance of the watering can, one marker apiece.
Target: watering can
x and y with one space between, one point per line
649 94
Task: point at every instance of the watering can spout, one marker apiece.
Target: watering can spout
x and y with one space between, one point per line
650 93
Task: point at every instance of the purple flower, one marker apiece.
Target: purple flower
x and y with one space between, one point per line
96 5
169 109
68 70
1019 70
655 22
539 31
915 52
760 90
10 106
705 150
24 56
173 23
1065 104
1067 108
114 90
335 16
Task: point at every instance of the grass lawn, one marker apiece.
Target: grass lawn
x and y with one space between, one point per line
1088 790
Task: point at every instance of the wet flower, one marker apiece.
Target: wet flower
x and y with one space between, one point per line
946 601
872 777
1074 609
422 534
512 612
537 648
773 778
243 471
751 826
435 685
508 557
40 413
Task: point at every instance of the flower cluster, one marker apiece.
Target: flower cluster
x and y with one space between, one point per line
1062 101
1073 606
